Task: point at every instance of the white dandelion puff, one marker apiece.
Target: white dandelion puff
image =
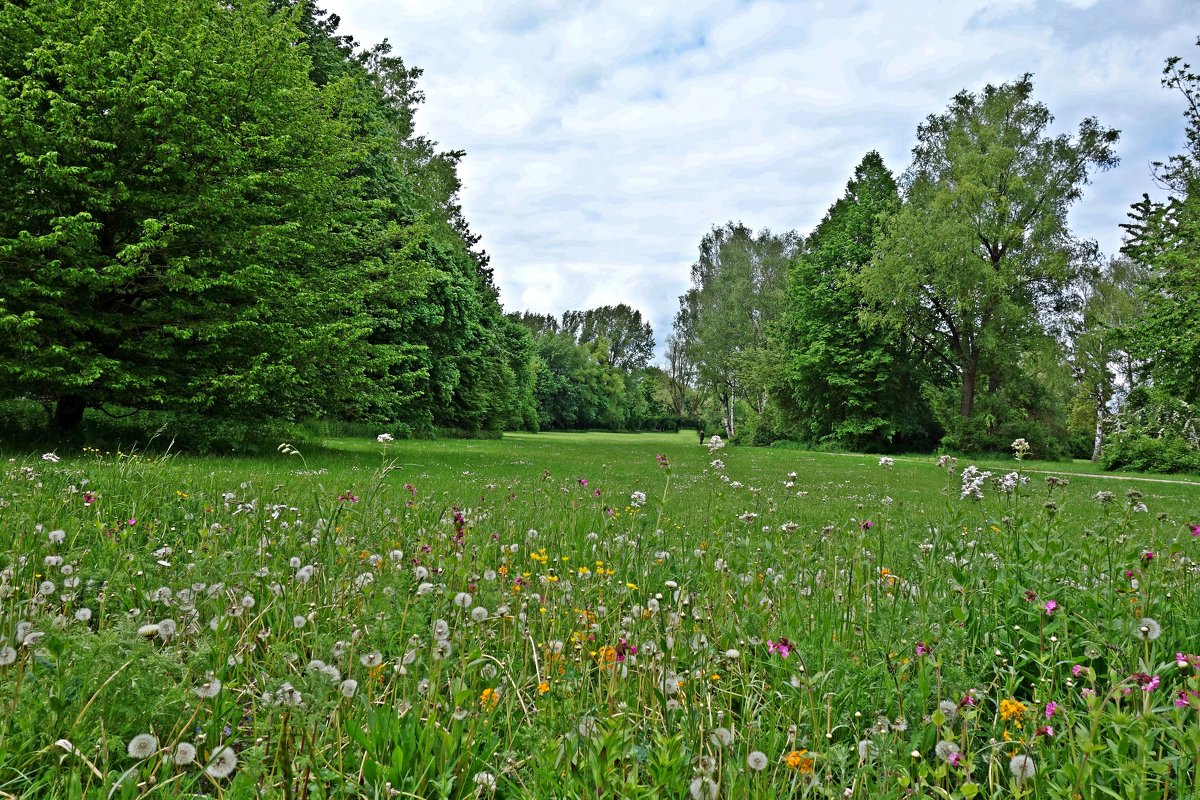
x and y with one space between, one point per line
1148 629
143 746
221 763
1022 767
757 761
209 689
185 753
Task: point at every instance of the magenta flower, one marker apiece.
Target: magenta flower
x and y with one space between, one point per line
783 647
866 525
954 759
1182 700
1087 693
663 461
1148 556
583 481
1077 670
1050 606
1045 730
1051 707
1195 530
922 649
88 498
132 522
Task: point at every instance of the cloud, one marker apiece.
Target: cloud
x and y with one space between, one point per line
604 139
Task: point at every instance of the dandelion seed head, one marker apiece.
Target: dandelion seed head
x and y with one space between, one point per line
221 763
185 753
142 746
1022 767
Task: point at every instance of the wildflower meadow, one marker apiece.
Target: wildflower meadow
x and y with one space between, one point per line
594 616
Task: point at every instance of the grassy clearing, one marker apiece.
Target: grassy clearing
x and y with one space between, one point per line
514 618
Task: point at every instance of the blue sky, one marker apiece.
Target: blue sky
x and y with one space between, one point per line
604 139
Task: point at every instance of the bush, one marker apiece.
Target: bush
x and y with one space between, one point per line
1155 432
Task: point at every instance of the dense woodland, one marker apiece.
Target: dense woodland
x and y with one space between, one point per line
219 217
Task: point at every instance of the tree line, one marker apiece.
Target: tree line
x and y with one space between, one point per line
221 213
952 306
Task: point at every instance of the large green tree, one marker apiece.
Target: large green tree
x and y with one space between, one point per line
629 341
170 177
979 259
839 379
1165 237
737 293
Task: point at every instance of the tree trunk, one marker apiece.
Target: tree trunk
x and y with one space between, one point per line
730 428
968 388
1096 449
68 413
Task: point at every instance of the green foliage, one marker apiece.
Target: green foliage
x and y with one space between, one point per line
1154 432
629 342
845 383
977 262
1165 237
171 175
737 294
225 211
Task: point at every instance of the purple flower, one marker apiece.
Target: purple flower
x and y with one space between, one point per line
583 481
866 525
783 647
1050 606
132 521
954 759
1051 707
922 649
1148 556
1077 670
1195 530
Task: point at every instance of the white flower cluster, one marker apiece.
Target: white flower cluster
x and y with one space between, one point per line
972 483
1009 483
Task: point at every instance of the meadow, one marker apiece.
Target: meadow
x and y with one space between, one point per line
594 616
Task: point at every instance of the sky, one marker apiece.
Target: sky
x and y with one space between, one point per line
604 138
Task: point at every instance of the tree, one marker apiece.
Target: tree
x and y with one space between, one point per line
737 292
630 342
1100 353
1165 237
979 258
171 176
845 381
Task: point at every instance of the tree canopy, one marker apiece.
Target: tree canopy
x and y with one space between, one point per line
979 258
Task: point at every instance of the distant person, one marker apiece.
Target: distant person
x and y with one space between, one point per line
700 430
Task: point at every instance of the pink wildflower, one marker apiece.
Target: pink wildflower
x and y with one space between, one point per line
1051 707
922 649
783 647
1195 530
1051 606
1077 670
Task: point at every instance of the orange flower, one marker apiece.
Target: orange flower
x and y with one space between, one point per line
543 687
488 699
797 760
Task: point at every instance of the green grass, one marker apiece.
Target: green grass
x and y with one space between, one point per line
620 648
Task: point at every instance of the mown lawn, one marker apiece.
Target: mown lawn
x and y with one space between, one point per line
592 615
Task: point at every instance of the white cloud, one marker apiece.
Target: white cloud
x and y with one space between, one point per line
604 139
